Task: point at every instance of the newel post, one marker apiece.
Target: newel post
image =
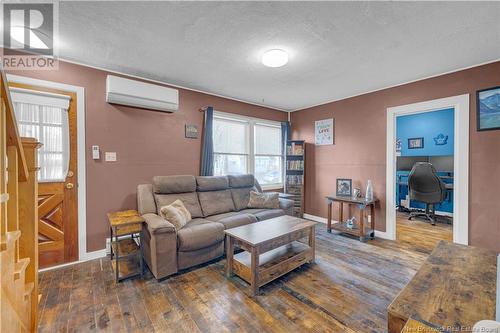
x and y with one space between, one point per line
28 222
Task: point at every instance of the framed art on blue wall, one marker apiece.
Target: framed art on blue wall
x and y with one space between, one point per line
415 143
488 109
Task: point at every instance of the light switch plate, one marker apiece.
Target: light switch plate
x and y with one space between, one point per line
110 156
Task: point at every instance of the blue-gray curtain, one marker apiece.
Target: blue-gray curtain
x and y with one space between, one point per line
285 135
207 153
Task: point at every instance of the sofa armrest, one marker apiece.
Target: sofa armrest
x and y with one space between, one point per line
159 245
157 224
287 206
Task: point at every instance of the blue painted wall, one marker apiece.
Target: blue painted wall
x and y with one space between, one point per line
427 125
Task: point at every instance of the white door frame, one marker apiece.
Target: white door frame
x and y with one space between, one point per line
81 183
460 159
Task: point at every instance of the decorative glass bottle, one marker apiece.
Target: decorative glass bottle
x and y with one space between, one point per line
369 191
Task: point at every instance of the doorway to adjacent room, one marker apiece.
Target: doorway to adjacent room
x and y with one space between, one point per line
427 172
424 163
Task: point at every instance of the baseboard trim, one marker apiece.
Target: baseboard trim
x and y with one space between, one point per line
379 234
382 234
315 218
94 255
86 257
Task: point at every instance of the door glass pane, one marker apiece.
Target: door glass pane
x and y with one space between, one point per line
267 140
29 130
50 126
268 169
52 166
230 164
53 139
230 136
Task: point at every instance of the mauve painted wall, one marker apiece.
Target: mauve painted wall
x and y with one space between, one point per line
360 147
147 143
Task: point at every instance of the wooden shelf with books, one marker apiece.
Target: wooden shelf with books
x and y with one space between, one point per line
294 174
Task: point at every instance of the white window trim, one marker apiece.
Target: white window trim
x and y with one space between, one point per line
251 142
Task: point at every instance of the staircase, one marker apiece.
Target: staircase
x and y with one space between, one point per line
18 223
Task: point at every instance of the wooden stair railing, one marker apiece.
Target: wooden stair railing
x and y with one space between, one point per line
18 223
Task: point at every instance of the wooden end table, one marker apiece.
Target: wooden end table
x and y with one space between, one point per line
126 252
271 249
363 229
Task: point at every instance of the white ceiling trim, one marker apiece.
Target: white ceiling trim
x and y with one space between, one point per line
169 84
397 85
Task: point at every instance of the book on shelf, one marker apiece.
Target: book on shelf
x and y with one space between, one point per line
294 149
294 179
295 165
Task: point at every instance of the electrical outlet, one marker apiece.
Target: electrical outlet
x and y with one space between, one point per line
108 246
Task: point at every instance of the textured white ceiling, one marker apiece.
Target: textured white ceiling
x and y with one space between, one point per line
337 49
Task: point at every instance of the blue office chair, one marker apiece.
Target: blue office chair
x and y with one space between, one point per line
425 186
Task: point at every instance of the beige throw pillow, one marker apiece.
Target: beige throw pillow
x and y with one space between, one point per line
176 213
264 200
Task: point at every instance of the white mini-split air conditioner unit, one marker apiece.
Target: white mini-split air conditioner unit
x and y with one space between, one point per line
140 94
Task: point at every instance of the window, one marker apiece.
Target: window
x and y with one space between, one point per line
45 117
248 145
231 146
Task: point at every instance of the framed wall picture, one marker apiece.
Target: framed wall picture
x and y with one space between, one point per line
415 143
488 109
191 131
324 132
344 187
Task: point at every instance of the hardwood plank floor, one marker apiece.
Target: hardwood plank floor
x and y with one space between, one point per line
348 289
420 233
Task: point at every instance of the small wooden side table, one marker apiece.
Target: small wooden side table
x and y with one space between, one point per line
363 229
126 251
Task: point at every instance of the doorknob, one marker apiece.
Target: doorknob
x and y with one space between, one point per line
69 186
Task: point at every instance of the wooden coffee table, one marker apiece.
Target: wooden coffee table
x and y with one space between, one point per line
271 249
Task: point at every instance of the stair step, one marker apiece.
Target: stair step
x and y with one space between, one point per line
9 238
28 288
20 267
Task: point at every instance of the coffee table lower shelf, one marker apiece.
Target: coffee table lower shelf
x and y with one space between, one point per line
274 263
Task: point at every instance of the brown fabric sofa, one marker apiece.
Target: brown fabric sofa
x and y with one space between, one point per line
215 204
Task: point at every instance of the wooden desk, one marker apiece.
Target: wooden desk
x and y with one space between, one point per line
454 289
362 229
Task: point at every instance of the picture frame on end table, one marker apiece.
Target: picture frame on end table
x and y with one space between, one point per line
344 187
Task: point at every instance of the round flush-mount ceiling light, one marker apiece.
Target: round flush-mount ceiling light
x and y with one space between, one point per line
275 58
